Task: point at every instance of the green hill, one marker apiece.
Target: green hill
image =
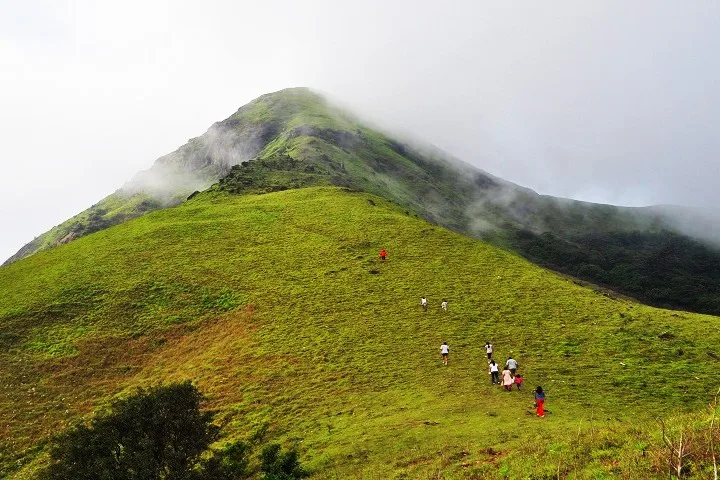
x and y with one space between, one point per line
296 138
276 306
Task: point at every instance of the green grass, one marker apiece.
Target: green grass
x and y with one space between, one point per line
277 308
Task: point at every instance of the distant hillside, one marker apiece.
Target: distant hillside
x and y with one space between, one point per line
295 138
276 307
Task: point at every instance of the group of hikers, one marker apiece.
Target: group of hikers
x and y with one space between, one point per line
424 304
507 378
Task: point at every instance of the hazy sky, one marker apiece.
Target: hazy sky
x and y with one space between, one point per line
609 101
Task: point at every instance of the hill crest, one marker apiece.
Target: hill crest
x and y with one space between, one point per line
295 138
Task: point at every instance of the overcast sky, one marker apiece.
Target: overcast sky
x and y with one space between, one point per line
609 101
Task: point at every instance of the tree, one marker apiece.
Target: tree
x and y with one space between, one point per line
158 433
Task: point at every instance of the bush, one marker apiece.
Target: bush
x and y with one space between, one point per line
280 466
158 433
230 463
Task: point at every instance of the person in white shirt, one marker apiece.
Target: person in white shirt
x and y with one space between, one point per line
489 349
423 302
494 373
444 351
443 305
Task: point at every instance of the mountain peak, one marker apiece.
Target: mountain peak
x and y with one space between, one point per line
296 138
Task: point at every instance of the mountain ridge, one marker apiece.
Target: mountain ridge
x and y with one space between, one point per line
296 138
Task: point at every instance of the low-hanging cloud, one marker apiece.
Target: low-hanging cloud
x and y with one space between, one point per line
607 101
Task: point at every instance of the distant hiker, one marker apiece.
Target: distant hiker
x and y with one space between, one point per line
511 365
494 373
488 349
444 351
423 302
443 305
383 254
507 379
518 381
539 402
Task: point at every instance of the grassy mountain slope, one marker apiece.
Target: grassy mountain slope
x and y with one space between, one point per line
196 165
276 306
295 138
630 250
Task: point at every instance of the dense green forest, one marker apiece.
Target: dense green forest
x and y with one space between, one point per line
660 268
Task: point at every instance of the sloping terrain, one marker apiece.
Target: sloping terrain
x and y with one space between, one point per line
276 306
295 138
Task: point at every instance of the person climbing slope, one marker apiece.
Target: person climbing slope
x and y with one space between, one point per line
507 379
511 365
443 305
423 302
539 402
494 372
489 349
383 254
444 351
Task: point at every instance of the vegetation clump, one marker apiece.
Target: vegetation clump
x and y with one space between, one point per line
160 434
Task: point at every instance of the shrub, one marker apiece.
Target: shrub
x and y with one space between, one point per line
277 465
158 433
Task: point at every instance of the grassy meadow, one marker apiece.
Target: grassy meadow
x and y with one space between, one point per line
278 309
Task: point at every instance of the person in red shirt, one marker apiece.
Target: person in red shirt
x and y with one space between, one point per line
383 254
539 402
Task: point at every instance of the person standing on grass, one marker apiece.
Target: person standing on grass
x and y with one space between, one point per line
494 372
443 305
444 351
489 349
518 381
507 379
423 302
539 402
511 365
383 254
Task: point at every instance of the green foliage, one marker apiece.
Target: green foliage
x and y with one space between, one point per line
661 268
158 433
232 462
278 465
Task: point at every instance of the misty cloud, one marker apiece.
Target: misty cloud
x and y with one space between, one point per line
611 101
199 163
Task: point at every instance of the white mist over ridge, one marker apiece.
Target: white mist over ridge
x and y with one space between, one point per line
613 97
196 165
